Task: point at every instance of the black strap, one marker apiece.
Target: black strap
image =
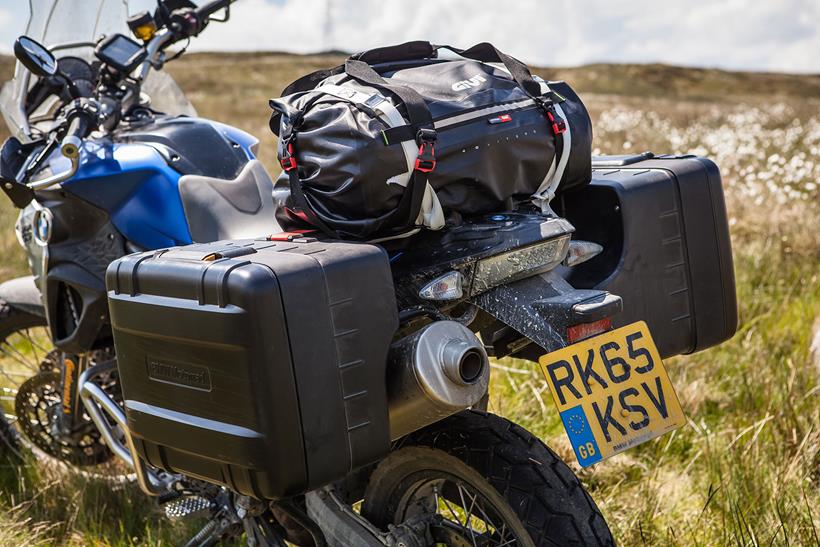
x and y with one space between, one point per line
403 217
408 51
487 53
400 133
417 111
484 52
398 221
301 202
310 81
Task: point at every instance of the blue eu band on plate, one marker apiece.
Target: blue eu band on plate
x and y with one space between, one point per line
612 392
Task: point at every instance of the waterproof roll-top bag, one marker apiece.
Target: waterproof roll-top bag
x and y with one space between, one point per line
408 137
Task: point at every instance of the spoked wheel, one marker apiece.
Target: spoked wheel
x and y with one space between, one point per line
30 387
468 511
482 481
37 403
25 352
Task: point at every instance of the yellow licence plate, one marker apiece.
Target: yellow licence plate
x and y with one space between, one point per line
612 392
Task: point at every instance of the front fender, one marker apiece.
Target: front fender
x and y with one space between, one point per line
22 293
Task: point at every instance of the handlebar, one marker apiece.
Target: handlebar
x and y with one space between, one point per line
182 24
206 10
78 129
189 22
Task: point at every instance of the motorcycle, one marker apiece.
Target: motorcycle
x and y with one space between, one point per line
100 171
86 200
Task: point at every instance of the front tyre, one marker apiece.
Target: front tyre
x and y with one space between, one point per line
30 395
488 482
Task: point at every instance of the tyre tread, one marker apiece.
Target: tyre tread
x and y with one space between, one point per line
546 495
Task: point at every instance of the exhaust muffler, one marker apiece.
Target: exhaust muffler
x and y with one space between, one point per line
434 373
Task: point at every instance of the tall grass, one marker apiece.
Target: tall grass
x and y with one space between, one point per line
746 468
744 471
47 503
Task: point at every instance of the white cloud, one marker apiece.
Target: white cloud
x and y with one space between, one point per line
778 35
5 20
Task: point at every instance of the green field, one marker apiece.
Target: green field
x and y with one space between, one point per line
746 468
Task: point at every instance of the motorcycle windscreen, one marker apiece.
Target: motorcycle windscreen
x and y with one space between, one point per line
71 28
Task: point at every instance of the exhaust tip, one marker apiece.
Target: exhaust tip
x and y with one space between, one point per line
463 362
471 366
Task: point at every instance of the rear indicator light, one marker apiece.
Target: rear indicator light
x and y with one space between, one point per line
581 251
444 287
582 331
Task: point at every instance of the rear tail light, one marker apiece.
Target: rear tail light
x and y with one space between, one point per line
582 331
519 263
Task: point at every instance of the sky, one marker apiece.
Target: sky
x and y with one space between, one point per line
765 35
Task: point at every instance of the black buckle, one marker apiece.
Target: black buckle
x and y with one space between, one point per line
286 158
559 126
426 160
286 155
426 135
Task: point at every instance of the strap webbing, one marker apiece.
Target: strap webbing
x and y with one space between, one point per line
399 220
487 53
401 133
417 112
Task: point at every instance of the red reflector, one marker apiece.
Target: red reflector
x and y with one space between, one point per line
504 118
579 332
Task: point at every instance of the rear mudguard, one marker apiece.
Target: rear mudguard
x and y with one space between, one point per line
22 294
539 309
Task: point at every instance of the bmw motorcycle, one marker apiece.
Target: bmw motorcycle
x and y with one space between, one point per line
98 172
108 159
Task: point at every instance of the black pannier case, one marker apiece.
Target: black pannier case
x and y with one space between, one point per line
663 226
256 364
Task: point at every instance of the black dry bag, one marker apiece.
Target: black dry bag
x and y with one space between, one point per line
398 138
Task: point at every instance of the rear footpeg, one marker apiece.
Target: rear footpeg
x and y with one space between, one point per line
189 506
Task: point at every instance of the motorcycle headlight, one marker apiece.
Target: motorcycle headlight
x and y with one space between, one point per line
519 263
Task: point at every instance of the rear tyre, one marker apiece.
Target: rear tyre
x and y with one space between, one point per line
490 481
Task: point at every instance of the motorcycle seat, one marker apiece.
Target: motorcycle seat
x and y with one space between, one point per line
237 208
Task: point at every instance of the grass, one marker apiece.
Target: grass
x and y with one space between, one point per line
746 469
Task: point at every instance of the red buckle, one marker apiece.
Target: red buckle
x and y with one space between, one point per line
287 161
426 162
559 126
